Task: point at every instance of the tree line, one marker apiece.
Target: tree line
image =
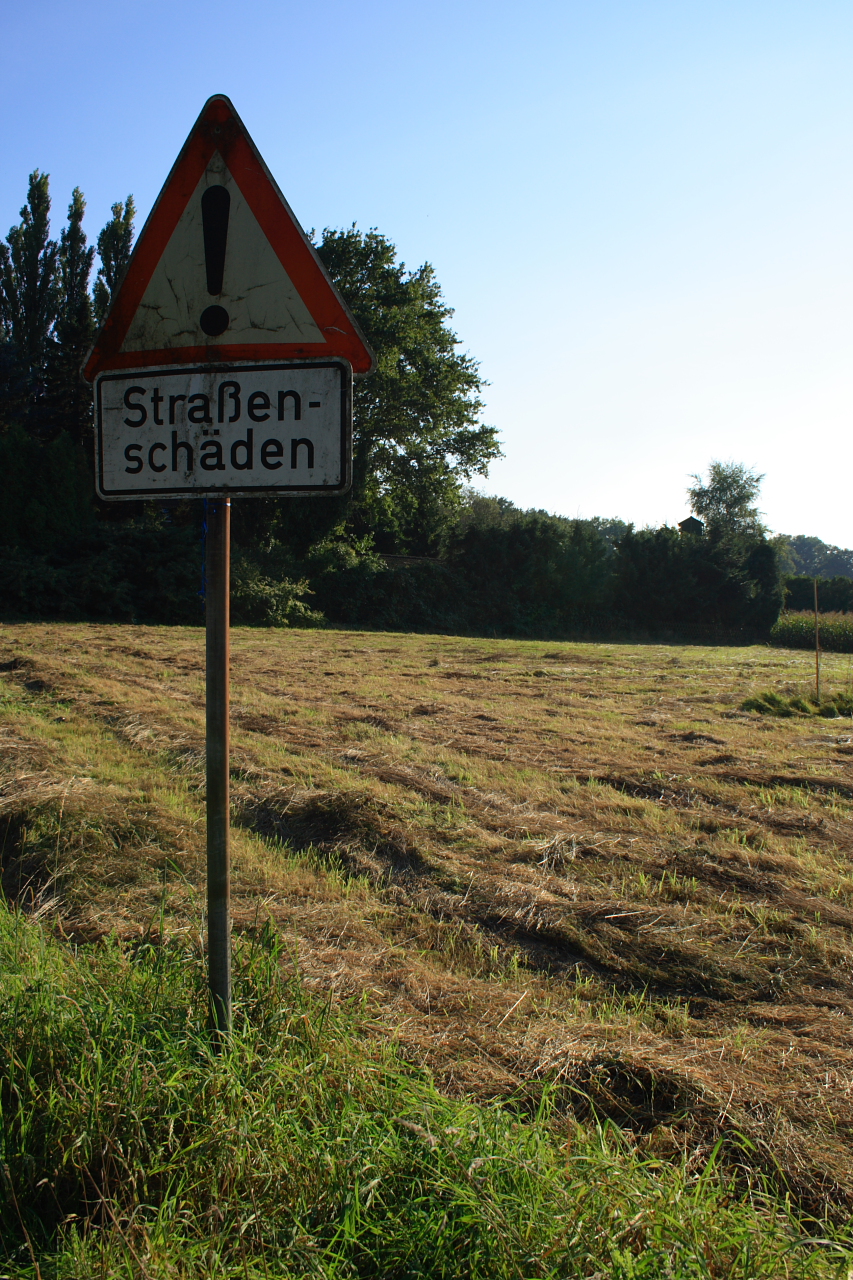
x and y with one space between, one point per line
413 545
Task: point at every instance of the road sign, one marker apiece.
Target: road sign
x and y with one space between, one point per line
222 271
264 428
224 366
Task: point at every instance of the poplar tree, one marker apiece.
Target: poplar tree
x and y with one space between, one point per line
114 248
28 300
70 398
28 275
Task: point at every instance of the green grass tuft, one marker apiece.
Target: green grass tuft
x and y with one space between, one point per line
312 1149
775 704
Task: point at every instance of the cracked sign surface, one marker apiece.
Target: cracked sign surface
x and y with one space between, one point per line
222 272
258 296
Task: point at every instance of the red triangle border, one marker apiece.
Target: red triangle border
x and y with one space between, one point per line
219 128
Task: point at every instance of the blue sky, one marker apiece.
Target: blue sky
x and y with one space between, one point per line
642 212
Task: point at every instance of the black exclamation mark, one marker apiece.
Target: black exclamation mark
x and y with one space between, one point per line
215 206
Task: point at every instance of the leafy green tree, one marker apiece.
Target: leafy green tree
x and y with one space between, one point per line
785 556
417 433
730 579
76 321
809 556
115 244
726 500
47 498
45 409
14 385
484 511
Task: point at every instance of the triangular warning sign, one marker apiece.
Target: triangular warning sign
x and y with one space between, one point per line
222 271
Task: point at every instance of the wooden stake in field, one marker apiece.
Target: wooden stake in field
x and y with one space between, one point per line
218 696
816 648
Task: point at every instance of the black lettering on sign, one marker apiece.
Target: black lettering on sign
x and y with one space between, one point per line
157 400
133 453
258 401
152 464
234 389
181 444
137 408
199 412
294 452
270 450
248 448
174 401
210 457
297 404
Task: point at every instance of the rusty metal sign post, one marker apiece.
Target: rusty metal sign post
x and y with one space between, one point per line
218 744
224 367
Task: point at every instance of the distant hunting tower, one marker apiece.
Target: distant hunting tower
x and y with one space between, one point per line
691 525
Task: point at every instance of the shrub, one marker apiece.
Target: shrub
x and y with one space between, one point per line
141 570
266 600
48 493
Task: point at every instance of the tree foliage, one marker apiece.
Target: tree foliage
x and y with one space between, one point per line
29 288
115 244
834 595
726 500
810 557
531 573
666 579
417 433
69 398
728 578
46 320
480 563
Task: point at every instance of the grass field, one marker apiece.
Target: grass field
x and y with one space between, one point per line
580 870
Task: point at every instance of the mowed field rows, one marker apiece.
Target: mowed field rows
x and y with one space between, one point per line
534 861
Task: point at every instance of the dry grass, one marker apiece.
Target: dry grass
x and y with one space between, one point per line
579 862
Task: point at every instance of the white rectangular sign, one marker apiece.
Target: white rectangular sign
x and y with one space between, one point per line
253 428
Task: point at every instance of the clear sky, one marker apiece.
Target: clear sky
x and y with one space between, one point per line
641 210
